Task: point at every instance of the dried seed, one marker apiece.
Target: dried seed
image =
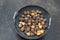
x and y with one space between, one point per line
28 12
23 23
42 31
22 15
33 23
33 14
40 12
44 26
32 34
39 23
22 29
45 19
21 19
26 24
36 27
40 26
20 25
38 32
32 26
36 15
33 20
27 29
29 23
35 32
28 16
32 30
42 22
25 12
37 11
28 33
41 18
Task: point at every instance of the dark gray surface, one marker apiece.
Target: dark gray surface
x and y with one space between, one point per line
8 7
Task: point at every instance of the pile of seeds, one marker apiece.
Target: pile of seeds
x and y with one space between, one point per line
32 23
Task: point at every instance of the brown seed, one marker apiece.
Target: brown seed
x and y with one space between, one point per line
45 19
36 15
25 12
20 25
36 21
35 32
29 20
22 29
32 34
22 15
44 26
42 22
40 26
26 24
38 32
39 23
28 16
32 26
41 18
37 11
28 33
27 28
21 19
36 27
42 31
32 14
29 23
32 30
28 12
40 12
20 22
33 20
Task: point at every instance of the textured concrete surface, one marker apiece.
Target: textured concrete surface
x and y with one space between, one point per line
8 7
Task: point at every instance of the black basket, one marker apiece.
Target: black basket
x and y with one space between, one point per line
29 8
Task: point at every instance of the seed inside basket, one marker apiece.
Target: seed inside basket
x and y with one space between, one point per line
32 23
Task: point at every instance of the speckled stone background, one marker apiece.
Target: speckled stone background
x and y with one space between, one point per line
8 8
